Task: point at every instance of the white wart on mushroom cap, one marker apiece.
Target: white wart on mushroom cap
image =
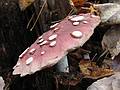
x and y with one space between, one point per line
56 45
77 18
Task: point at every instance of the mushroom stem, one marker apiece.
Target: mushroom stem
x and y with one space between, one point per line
62 65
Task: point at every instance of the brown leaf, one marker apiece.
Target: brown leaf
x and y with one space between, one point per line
25 3
78 3
91 70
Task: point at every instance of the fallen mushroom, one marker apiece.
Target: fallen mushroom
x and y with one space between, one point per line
56 44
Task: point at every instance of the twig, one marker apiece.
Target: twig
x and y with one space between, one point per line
38 15
102 54
94 57
30 20
71 11
99 60
56 83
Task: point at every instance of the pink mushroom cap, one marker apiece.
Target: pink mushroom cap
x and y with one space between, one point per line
49 48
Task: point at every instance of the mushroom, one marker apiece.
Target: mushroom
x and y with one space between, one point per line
53 46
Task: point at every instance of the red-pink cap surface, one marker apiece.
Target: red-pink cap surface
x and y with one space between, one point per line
62 37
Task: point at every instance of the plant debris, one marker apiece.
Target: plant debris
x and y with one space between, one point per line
25 3
111 40
91 70
107 83
69 78
109 13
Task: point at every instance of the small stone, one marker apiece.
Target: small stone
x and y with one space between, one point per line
53 43
24 53
76 23
32 51
76 34
43 43
52 37
29 60
77 18
52 26
43 52
85 22
41 40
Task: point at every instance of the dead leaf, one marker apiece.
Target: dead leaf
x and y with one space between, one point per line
78 3
109 13
107 83
111 40
25 3
116 63
91 70
114 1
